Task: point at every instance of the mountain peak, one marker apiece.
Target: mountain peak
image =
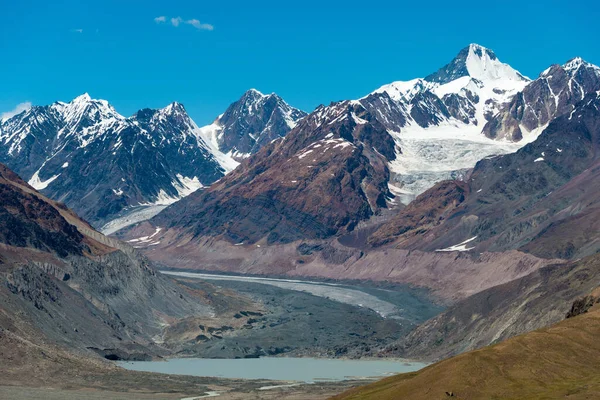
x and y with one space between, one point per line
479 51
174 107
571 67
575 63
82 98
85 105
255 92
477 62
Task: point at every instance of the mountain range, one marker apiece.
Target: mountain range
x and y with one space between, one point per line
106 166
326 202
475 184
354 161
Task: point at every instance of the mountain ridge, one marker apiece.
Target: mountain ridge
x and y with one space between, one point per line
148 160
390 131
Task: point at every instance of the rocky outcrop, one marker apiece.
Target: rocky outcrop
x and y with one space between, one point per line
582 305
556 92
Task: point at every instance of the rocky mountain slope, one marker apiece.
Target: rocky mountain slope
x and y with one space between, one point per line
324 177
556 92
250 123
535 301
67 285
541 199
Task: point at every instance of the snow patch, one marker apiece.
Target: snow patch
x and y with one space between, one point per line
184 187
461 246
209 137
146 238
304 154
38 184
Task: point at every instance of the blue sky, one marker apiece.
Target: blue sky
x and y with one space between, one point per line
310 52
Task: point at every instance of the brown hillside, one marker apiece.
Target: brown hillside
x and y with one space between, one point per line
557 362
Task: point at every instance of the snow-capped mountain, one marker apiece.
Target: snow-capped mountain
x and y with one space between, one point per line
437 120
556 92
349 161
101 163
326 175
251 122
468 90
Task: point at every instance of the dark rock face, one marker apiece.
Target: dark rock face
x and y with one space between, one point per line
254 121
457 68
28 221
392 114
581 306
328 174
461 108
554 93
88 156
422 106
541 199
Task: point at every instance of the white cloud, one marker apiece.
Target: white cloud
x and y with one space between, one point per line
196 24
176 21
17 110
77 30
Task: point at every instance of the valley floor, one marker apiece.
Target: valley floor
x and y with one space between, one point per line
296 317
253 317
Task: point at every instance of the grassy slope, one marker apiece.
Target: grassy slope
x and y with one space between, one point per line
561 361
